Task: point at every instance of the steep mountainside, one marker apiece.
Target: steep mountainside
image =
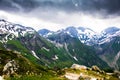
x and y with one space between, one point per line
23 63
14 66
81 53
109 46
108 35
20 68
106 44
85 35
110 52
62 52
45 32
28 42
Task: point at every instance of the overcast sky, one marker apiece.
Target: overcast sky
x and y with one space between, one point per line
57 14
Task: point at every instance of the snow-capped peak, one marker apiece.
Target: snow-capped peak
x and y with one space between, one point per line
108 34
8 28
45 32
87 35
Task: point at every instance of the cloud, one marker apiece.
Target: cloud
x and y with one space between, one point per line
56 14
36 23
62 21
106 7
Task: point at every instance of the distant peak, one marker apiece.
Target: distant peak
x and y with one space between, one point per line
70 27
111 29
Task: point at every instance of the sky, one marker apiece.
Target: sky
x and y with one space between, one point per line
59 14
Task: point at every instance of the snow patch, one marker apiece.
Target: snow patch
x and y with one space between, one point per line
104 41
48 34
55 57
34 54
59 45
45 48
66 48
108 37
69 34
13 30
75 58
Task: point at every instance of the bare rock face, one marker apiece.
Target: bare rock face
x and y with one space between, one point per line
10 68
96 68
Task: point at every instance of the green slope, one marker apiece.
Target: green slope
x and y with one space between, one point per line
80 53
110 53
27 70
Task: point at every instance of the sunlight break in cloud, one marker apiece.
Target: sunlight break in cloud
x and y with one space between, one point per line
34 22
62 20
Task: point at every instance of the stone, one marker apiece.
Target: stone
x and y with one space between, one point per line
10 68
77 66
95 68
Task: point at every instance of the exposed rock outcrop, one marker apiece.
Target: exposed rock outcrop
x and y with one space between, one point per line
77 66
81 72
96 68
10 68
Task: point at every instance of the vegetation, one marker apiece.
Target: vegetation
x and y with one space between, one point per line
89 73
110 51
27 70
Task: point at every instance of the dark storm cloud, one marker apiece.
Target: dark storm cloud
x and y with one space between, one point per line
15 5
88 6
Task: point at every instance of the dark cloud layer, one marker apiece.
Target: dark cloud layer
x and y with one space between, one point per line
108 6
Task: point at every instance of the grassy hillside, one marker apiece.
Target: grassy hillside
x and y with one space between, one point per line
85 55
78 52
43 49
27 70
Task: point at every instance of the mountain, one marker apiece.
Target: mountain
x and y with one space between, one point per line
45 32
17 67
111 30
108 47
108 34
110 52
14 66
105 44
85 35
61 53
28 42
21 63
26 47
81 53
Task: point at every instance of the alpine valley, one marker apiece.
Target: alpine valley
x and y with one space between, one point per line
47 52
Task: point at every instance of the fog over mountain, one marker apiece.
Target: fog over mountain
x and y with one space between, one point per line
57 14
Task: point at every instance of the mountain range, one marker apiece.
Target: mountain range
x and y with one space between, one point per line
64 47
106 44
85 35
